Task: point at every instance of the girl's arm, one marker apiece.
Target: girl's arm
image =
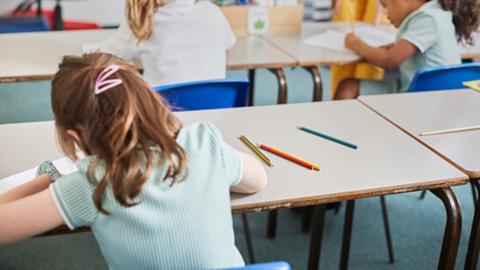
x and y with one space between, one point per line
254 176
28 217
36 185
388 58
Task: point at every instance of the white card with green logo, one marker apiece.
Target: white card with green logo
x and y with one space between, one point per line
257 20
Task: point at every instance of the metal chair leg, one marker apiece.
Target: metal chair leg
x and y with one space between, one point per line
251 79
272 224
386 224
248 237
422 196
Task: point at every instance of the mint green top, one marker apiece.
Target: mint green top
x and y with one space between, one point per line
184 226
431 30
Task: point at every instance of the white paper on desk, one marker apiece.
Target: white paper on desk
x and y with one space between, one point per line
335 39
64 166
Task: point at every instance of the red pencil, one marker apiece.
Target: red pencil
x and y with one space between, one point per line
290 157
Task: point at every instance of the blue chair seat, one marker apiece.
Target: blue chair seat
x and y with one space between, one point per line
265 266
15 24
444 77
205 95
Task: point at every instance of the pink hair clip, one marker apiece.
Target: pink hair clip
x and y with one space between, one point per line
102 84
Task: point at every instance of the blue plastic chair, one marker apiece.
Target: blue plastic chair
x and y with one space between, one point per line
205 95
16 24
444 77
265 266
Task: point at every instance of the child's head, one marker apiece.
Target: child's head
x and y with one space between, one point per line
465 13
114 116
398 10
140 17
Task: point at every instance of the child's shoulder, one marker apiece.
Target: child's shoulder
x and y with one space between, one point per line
430 13
210 8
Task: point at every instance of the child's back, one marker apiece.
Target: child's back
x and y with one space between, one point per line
184 226
188 43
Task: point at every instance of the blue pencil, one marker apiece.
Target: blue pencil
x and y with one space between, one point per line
328 137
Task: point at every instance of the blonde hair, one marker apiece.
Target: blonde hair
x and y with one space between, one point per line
140 17
128 129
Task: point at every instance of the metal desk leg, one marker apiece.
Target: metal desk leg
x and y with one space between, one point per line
386 225
251 79
317 82
453 227
272 224
316 237
347 235
282 85
248 237
474 242
307 218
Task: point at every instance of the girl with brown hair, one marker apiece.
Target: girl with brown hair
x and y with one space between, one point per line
175 40
155 194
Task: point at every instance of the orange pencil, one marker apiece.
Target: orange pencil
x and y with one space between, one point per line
290 157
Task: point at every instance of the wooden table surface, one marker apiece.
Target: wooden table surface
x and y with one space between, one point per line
387 161
437 110
309 55
35 56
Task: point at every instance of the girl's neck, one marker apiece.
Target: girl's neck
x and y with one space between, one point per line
416 4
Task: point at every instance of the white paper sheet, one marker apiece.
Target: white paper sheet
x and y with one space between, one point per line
64 166
335 38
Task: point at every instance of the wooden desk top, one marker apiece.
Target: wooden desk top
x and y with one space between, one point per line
437 110
254 52
387 160
308 55
35 56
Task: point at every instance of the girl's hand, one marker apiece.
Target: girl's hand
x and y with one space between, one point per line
352 41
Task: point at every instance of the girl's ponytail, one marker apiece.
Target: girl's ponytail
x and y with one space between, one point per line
466 14
140 17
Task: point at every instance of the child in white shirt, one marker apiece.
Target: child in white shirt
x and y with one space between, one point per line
175 40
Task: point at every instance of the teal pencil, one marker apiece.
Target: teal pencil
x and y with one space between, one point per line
328 137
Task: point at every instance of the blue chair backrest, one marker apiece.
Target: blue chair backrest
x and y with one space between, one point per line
265 266
204 95
15 24
445 77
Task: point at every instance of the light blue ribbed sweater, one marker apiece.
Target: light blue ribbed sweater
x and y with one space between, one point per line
185 226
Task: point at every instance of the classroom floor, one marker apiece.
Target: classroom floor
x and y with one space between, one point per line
417 226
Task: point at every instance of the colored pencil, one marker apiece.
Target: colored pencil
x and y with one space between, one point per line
290 157
351 18
328 137
475 85
256 151
449 130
